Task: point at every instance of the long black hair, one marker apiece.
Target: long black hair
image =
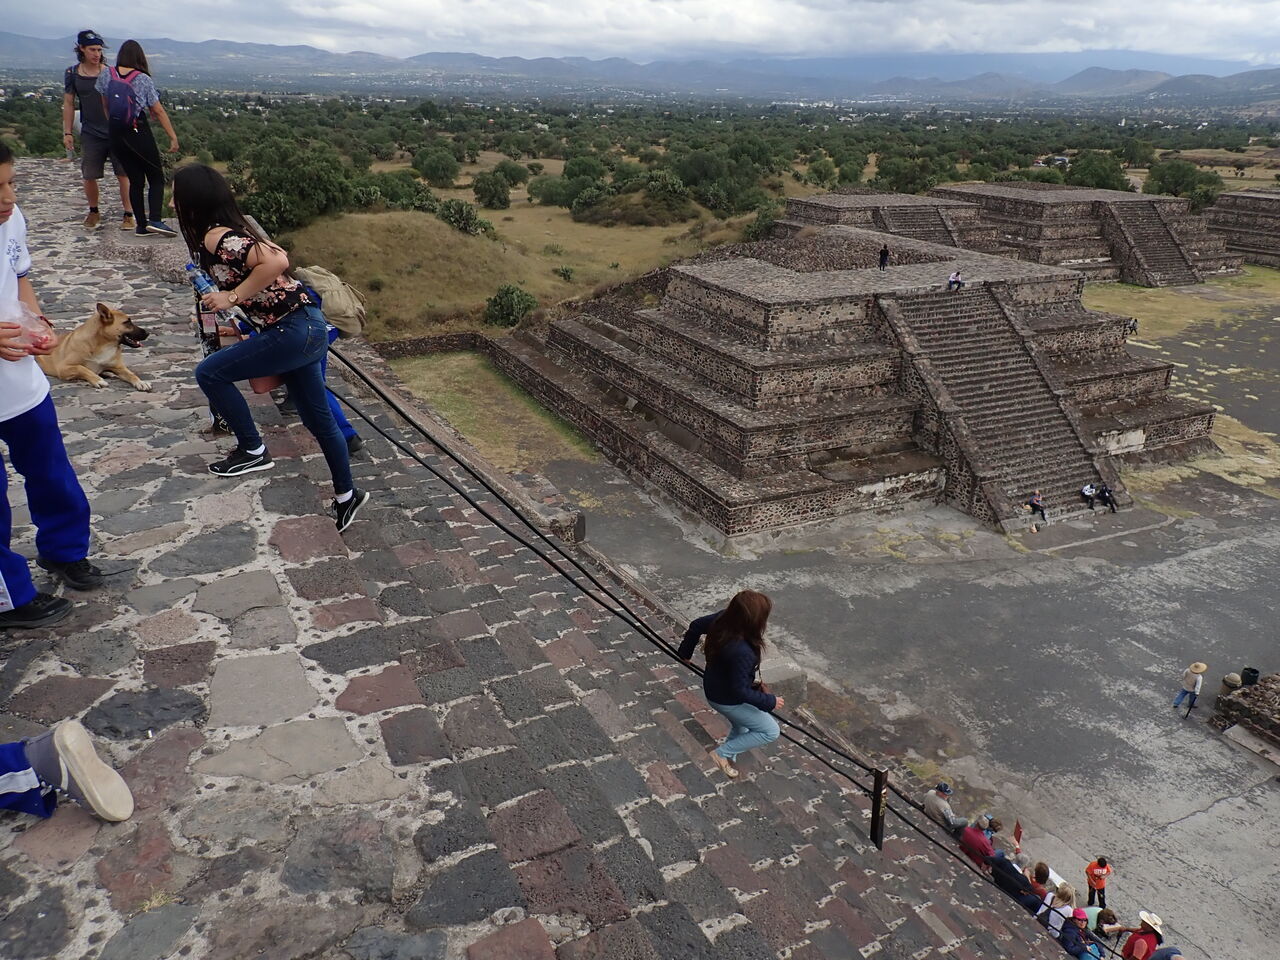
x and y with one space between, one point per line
131 57
202 200
743 619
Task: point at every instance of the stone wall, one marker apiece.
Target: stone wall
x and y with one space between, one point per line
1256 708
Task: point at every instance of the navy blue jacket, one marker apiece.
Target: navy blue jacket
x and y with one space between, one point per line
730 677
1074 940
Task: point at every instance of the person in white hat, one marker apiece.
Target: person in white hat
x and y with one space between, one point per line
1145 938
1192 678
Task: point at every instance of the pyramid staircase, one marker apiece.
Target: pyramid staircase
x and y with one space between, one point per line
919 222
1017 420
1167 264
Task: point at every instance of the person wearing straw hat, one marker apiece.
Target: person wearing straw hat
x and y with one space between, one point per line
1192 678
1145 938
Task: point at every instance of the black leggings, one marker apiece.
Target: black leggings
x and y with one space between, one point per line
140 158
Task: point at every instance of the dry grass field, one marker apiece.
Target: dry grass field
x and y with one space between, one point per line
422 276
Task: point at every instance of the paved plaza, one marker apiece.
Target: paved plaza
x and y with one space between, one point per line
412 742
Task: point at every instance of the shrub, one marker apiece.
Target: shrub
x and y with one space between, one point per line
492 191
586 166
534 168
437 166
761 228
512 172
564 273
375 283
463 216
509 306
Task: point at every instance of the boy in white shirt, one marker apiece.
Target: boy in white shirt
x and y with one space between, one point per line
29 430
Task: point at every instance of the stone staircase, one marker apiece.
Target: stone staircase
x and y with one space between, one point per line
1166 262
1006 403
919 222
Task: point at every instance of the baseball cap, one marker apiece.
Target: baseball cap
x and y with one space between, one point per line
944 788
89 38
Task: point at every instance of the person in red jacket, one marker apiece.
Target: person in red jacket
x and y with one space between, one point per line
1095 875
975 842
1144 938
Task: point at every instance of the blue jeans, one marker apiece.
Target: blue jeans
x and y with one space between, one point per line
57 504
749 727
293 347
339 417
1182 695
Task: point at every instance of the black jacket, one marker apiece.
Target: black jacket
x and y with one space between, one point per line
730 678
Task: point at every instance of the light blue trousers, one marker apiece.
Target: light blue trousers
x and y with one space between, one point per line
749 727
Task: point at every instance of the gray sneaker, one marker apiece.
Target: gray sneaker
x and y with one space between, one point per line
64 758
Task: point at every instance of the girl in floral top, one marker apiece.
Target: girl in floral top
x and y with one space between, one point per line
253 273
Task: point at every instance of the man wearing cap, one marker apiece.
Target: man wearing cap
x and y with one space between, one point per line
1192 678
938 808
78 86
1144 939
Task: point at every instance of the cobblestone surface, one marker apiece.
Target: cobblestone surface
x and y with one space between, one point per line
414 742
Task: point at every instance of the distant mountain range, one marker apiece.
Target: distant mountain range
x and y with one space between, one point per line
916 78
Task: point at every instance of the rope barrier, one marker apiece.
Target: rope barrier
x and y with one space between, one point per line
617 606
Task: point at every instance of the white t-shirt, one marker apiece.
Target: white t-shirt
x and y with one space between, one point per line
23 385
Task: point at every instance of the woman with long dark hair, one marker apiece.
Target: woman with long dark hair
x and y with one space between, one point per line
733 648
253 273
129 96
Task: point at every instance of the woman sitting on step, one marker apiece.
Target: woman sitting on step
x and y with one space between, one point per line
734 644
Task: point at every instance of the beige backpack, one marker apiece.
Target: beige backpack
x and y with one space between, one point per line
343 303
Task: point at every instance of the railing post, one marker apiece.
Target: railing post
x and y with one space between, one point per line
879 796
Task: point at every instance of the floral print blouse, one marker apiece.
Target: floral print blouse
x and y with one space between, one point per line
229 269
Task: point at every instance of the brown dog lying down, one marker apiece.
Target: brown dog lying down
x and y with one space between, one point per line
96 347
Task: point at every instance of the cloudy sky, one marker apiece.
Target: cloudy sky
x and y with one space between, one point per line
647 29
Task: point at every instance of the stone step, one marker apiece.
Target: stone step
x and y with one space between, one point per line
747 442
764 377
734 505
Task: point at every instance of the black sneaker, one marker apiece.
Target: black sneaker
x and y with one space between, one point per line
238 462
43 611
344 513
354 444
287 406
76 574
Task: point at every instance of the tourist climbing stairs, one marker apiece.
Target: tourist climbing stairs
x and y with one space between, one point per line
919 222
1166 262
1010 410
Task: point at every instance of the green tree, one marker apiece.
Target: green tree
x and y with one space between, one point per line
1138 153
288 184
822 172
512 172
585 166
1100 170
1180 178
438 167
492 190
905 175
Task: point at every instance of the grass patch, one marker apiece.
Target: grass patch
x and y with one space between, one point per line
1164 312
434 278
509 428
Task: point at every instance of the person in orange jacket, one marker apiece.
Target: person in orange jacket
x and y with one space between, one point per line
1095 875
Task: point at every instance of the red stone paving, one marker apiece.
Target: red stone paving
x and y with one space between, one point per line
56 698
306 538
393 687
663 782
572 881
61 840
139 868
525 940
330 616
178 665
533 826
158 774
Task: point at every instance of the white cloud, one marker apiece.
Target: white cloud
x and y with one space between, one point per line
653 29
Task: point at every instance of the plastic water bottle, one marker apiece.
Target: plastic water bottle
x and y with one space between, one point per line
234 317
